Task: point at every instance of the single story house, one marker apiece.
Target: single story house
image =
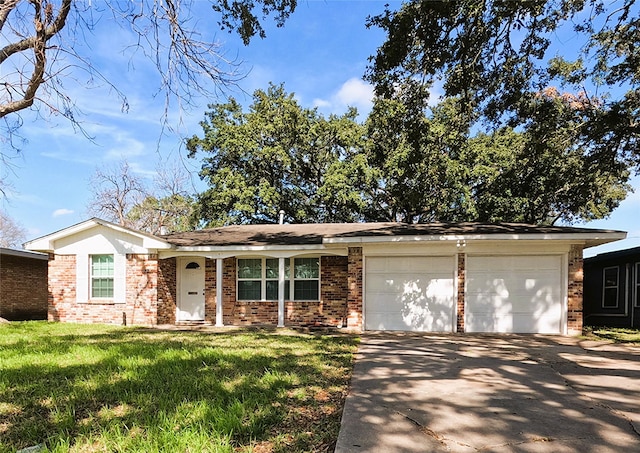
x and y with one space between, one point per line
612 289
23 285
468 277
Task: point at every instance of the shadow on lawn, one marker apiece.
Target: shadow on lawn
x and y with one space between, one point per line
135 387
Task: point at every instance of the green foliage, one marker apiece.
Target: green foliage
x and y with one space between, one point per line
106 388
278 156
171 213
494 56
408 163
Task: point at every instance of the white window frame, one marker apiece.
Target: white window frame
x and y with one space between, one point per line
112 276
616 287
637 286
294 280
290 262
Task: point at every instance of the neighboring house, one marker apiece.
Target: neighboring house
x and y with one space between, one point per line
373 276
612 289
23 285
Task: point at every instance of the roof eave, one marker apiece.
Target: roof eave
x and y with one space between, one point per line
588 239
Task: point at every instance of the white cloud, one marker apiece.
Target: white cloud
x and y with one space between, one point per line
352 93
61 212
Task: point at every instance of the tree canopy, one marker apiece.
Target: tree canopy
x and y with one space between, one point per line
498 56
406 163
278 156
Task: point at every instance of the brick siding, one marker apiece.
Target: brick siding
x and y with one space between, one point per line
575 291
23 288
461 292
141 300
354 299
167 291
329 311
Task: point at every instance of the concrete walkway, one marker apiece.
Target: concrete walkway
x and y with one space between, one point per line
490 393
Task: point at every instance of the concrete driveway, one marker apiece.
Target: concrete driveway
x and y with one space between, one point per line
490 393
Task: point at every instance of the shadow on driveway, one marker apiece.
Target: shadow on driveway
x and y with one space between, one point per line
491 393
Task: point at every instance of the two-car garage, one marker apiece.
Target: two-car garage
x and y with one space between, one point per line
502 293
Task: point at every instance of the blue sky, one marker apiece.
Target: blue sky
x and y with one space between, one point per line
320 55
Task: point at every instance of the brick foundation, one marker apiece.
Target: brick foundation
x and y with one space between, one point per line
23 288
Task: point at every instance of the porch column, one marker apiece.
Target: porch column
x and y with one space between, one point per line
281 289
219 321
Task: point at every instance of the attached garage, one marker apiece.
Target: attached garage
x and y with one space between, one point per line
519 294
410 293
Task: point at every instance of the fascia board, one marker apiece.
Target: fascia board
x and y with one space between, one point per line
589 239
46 243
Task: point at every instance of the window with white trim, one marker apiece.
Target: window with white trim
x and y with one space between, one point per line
258 279
610 284
102 277
637 299
306 279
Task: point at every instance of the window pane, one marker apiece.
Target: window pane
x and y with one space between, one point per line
307 268
102 265
271 267
611 277
250 268
610 297
305 290
249 290
637 284
102 288
272 290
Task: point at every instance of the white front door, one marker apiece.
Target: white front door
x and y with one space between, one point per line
191 294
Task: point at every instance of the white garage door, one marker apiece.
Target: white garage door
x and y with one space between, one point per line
520 294
409 293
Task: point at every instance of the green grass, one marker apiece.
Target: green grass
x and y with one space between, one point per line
86 388
617 334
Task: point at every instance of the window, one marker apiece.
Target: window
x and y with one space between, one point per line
102 276
610 287
258 278
306 275
637 303
250 279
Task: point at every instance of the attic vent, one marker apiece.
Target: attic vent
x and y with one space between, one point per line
192 265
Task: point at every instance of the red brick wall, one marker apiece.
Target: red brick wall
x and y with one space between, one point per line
167 291
141 299
142 291
62 287
460 292
329 311
354 300
23 288
574 292
210 291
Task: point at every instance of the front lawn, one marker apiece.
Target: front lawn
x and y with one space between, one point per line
617 334
106 388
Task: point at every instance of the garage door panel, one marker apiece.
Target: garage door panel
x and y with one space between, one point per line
514 294
409 293
512 323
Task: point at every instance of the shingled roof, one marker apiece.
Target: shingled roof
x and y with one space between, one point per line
316 233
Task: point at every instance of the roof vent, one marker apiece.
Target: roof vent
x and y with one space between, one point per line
281 217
